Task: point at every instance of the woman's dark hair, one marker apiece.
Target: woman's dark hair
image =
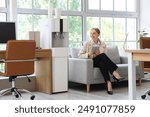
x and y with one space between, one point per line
97 30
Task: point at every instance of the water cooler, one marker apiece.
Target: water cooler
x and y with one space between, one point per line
54 35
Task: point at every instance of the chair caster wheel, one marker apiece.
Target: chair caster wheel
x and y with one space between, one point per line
17 96
32 97
143 96
148 93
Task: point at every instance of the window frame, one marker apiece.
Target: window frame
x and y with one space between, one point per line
5 9
84 13
116 14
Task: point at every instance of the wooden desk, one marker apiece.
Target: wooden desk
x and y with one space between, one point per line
135 55
43 70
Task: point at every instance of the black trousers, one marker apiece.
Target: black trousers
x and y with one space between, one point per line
105 65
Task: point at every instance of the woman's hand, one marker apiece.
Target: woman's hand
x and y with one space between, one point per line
97 52
90 53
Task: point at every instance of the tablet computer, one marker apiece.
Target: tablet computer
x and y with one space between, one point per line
95 48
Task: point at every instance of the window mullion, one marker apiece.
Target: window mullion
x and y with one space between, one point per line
32 15
12 10
113 30
3 10
99 4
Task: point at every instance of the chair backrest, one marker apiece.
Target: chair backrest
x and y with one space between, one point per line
23 50
113 53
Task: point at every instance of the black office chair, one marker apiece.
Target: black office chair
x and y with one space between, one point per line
144 95
19 61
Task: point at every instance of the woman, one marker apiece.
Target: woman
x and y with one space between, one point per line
100 59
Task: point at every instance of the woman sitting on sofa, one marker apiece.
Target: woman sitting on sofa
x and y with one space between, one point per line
95 49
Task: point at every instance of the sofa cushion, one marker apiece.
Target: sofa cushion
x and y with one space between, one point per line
113 54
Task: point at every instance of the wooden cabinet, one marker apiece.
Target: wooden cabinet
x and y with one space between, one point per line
43 70
145 44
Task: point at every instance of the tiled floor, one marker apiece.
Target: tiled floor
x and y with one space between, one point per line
98 92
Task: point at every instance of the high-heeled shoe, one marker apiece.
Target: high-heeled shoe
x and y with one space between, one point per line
109 88
118 80
110 92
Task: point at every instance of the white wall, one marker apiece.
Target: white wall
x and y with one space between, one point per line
145 15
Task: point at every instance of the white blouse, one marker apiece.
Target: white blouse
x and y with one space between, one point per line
87 47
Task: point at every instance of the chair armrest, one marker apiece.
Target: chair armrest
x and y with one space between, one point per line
124 59
2 60
80 70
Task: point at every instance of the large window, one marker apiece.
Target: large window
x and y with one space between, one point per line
75 31
106 6
29 14
2 3
131 28
37 4
40 4
71 5
72 9
2 16
3 11
36 19
131 5
24 25
115 18
107 29
74 5
119 29
93 5
112 5
114 30
120 5
24 4
117 21
91 22
59 4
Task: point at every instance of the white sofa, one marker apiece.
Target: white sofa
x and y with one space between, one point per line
82 70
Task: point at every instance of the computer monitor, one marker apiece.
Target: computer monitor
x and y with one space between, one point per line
7 31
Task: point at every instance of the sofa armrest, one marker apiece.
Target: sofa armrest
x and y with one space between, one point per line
124 60
80 70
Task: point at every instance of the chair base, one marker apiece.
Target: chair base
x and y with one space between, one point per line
144 96
16 92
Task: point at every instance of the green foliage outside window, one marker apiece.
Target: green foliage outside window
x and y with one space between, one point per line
75 31
112 28
74 5
59 4
24 3
37 18
74 22
92 22
25 21
40 4
107 29
24 25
